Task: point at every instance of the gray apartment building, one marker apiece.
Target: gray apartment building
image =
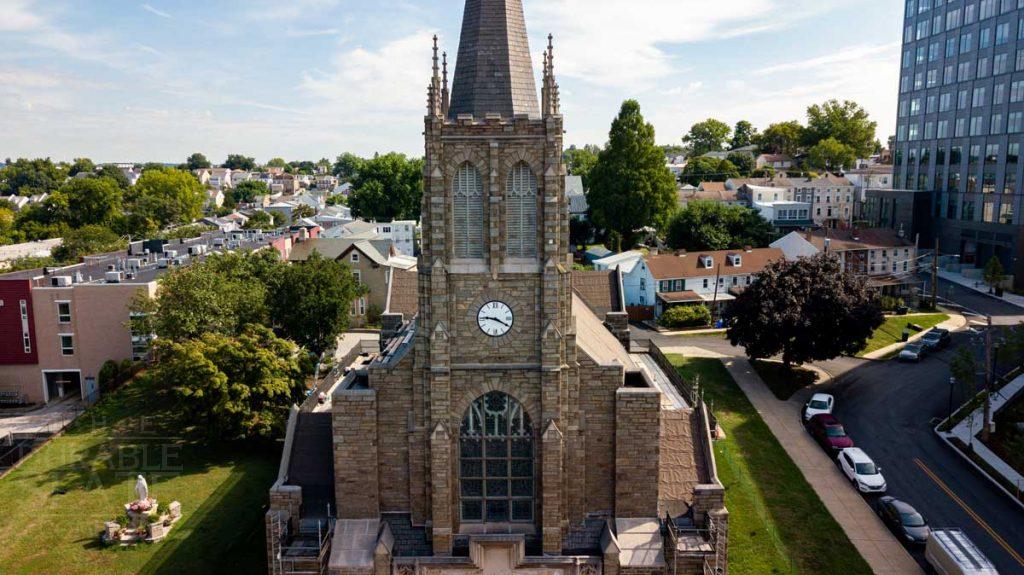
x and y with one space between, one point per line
961 122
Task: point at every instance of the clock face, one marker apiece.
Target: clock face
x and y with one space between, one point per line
495 318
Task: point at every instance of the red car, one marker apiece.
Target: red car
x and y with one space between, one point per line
829 432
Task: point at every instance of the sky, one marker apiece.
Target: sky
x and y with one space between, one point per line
121 80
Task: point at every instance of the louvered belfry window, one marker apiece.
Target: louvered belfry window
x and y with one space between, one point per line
521 203
468 213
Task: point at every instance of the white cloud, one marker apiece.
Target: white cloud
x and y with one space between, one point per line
290 10
18 16
849 55
156 11
311 33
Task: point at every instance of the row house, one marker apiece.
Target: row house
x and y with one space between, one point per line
832 198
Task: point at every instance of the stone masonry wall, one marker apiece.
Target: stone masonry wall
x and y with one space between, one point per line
394 407
638 427
597 413
357 490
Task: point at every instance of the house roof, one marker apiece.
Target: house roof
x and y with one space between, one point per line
334 248
594 338
672 266
680 297
844 240
625 261
574 186
599 289
722 195
403 293
772 158
712 186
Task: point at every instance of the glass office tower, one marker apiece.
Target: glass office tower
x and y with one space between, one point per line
961 122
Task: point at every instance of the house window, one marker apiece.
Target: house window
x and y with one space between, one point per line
679 285
67 344
362 306
468 213
705 283
359 275
64 312
496 476
643 284
354 258
26 335
521 202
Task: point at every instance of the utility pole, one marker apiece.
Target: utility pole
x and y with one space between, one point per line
935 275
714 301
989 377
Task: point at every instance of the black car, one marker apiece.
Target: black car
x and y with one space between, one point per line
903 519
936 339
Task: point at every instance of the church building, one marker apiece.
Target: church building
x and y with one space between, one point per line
506 425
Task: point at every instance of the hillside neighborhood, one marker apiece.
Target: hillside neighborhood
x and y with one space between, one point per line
789 347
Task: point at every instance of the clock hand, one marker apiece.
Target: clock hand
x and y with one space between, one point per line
489 318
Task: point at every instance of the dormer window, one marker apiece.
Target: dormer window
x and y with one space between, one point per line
707 262
735 260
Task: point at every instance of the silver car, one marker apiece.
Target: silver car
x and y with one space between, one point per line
913 352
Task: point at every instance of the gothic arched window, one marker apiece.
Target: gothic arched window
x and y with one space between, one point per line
468 213
496 461
521 202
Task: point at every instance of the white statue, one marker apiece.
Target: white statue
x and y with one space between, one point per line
142 489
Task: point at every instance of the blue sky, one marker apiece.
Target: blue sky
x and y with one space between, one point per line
120 80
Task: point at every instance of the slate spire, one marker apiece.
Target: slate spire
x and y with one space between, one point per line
494 71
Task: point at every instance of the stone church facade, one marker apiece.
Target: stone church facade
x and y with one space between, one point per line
504 426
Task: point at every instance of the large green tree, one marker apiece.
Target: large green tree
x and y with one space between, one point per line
169 196
711 135
311 302
232 387
87 241
707 225
743 162
782 138
240 162
197 161
347 166
806 310
84 201
743 134
703 169
26 177
388 187
630 186
831 155
845 121
247 192
580 161
81 165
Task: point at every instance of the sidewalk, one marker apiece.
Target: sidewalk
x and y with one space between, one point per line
980 287
869 535
954 323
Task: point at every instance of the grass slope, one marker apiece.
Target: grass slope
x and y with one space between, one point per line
777 524
892 330
783 381
222 489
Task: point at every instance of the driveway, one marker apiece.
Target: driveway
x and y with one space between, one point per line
50 418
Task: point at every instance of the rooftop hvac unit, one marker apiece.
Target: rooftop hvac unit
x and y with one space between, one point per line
60 281
134 263
113 277
170 254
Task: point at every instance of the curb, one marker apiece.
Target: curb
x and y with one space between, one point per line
945 439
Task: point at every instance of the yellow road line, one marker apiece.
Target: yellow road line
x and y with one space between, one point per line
998 539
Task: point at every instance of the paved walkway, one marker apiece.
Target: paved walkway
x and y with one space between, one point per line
954 323
869 535
50 418
980 287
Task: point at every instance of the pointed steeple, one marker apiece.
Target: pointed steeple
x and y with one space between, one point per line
494 72
435 105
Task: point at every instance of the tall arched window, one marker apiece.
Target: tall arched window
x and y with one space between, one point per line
521 203
496 461
468 213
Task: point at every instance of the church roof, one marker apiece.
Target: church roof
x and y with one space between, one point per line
494 72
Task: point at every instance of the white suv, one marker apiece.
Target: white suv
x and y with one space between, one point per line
819 403
860 470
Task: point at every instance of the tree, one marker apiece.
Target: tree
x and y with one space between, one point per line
630 186
218 295
302 211
247 192
347 166
847 122
81 165
703 169
994 272
781 138
27 177
311 301
277 163
114 173
232 387
742 161
707 136
831 155
87 241
743 134
169 196
197 161
259 220
388 187
84 201
580 161
806 310
706 225
240 162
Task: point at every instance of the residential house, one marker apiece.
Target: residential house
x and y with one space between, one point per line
37 249
220 178
402 234
595 253
886 257
131 173
333 217
706 278
778 162
637 288
214 198
832 198
577 197
785 215
203 175
874 177
325 182
288 184
712 192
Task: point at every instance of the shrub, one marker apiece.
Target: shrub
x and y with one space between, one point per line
891 303
685 316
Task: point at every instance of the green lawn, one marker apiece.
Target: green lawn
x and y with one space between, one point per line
783 381
222 489
777 524
892 330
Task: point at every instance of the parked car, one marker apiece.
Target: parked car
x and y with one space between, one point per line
861 470
913 352
819 403
829 432
936 339
951 552
903 519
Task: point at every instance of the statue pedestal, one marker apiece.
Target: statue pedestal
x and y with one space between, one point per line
146 523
